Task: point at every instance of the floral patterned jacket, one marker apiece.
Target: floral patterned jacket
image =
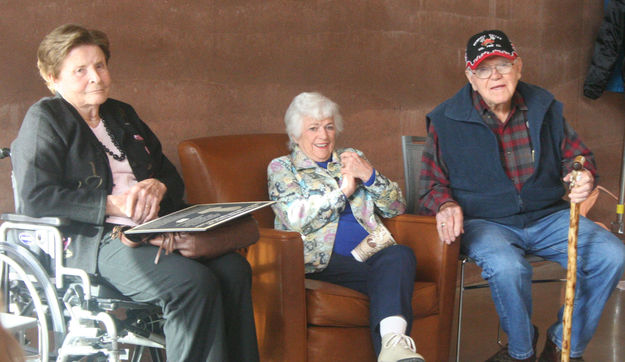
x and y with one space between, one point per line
309 201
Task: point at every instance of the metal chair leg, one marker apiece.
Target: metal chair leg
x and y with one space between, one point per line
137 353
156 354
460 299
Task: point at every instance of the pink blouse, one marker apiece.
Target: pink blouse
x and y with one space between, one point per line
123 178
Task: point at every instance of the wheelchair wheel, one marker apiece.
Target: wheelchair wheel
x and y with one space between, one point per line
31 311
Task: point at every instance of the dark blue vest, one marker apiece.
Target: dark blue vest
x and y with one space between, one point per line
477 178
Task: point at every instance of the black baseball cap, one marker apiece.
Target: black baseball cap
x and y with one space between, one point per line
486 44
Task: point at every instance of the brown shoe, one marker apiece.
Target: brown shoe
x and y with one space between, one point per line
503 356
553 353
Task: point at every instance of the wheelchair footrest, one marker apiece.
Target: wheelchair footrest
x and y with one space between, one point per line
112 304
15 323
154 340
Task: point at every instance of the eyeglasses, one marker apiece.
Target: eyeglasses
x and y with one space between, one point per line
486 72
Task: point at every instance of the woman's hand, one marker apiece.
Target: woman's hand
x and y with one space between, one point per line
141 203
348 185
355 166
583 185
449 221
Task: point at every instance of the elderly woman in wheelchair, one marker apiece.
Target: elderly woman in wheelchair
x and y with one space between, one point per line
93 162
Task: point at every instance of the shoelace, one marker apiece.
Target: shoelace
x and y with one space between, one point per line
402 339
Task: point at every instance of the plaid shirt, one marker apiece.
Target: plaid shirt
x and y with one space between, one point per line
515 151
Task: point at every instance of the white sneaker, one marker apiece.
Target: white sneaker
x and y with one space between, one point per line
398 348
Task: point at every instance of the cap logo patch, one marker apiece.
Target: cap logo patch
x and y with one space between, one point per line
487 42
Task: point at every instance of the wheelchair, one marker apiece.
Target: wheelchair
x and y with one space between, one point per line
64 314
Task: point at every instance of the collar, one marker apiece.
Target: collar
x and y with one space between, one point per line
301 161
536 100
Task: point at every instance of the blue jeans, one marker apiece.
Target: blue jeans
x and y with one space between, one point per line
387 277
499 251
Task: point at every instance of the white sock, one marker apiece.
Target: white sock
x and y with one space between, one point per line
393 324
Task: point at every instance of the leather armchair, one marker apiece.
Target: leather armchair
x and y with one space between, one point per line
306 320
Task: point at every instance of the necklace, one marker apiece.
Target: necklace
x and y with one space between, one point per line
122 154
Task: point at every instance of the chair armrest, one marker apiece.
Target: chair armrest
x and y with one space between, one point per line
434 257
436 261
20 218
278 293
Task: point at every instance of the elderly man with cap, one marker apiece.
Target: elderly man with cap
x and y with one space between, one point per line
493 169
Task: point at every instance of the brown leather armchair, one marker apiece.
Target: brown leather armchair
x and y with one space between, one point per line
305 320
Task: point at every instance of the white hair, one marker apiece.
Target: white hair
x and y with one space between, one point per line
310 105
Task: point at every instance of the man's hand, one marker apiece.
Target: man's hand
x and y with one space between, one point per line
141 203
449 222
582 187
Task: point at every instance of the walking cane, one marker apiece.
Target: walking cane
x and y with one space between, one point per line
571 271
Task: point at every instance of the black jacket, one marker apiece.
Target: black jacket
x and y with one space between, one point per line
61 170
610 42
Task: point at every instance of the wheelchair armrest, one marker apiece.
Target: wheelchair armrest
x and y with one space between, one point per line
50 221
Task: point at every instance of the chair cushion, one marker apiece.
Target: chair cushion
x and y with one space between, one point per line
329 304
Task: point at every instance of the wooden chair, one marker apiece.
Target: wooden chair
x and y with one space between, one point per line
307 320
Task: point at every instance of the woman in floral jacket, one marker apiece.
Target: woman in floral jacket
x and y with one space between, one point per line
331 197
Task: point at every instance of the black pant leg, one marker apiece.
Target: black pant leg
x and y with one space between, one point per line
234 274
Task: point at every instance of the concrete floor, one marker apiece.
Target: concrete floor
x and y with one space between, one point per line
479 325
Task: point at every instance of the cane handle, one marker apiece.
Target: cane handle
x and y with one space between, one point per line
578 166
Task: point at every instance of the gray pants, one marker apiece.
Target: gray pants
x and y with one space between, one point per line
207 305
